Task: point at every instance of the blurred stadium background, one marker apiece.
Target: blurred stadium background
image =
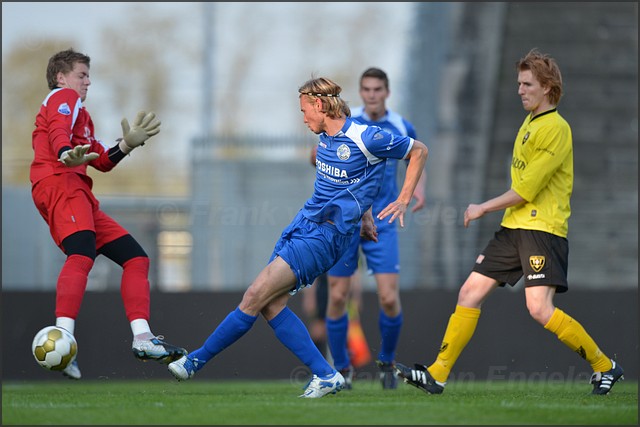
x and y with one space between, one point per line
208 206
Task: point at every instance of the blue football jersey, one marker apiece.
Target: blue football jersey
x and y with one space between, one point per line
393 123
350 169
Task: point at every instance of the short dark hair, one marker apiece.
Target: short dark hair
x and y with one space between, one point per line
63 62
377 73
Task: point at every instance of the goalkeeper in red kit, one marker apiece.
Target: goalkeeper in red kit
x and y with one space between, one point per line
64 145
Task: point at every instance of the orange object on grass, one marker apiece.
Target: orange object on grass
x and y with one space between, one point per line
357 345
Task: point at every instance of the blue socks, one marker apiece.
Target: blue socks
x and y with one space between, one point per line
337 336
234 326
288 328
294 335
390 333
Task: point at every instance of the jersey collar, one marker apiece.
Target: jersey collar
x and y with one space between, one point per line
553 110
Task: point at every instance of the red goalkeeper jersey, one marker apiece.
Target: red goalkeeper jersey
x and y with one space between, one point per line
64 122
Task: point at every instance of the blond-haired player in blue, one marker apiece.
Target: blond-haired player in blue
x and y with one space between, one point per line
350 164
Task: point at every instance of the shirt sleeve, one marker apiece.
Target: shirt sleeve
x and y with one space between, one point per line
62 110
382 144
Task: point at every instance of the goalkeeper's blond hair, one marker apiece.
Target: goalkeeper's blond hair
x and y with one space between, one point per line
329 93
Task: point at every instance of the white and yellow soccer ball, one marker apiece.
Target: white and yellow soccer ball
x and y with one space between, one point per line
54 348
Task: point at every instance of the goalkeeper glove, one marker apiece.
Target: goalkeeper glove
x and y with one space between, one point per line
77 156
144 127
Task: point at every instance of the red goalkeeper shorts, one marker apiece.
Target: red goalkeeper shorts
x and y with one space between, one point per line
67 205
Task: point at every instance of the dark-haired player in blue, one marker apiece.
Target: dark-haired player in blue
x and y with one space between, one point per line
382 256
350 165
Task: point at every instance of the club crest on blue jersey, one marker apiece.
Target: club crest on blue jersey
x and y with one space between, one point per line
344 152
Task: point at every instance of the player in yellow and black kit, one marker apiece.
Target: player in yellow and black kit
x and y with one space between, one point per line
532 240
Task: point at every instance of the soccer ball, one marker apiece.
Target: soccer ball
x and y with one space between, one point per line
54 348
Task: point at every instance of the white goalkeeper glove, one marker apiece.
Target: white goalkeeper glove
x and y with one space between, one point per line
144 127
77 156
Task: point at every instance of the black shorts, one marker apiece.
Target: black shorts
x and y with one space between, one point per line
541 257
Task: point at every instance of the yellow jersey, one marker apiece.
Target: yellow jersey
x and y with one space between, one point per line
542 174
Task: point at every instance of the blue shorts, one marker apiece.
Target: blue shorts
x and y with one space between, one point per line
310 249
382 256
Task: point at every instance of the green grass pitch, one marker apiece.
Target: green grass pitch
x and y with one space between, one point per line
167 402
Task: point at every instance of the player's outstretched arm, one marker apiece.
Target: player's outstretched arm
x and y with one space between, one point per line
77 156
419 193
503 201
417 158
144 127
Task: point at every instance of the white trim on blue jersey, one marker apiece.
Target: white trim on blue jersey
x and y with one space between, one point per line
355 133
393 123
349 172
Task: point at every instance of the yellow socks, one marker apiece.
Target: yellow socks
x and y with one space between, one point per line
462 325
574 336
460 329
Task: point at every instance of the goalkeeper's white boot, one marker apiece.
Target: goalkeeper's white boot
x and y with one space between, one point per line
156 349
321 386
72 371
